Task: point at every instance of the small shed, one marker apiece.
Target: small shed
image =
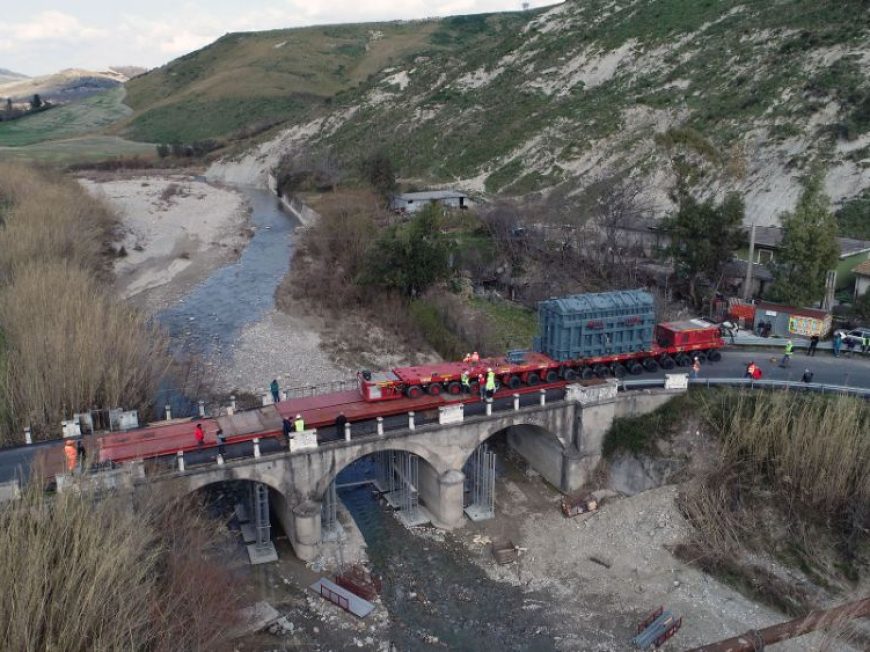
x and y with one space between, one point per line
411 202
789 321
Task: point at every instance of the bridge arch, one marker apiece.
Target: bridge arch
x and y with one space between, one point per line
251 473
539 446
343 458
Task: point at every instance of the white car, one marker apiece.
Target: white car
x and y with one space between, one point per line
856 335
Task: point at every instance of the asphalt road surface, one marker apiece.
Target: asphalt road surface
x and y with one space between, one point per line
850 371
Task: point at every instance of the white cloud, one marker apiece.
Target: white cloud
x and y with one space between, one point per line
47 26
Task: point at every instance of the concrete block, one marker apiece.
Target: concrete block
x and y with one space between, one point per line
676 381
450 414
305 440
262 554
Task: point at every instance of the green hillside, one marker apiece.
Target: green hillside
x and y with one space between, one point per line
67 121
252 80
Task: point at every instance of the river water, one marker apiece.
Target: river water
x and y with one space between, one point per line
437 597
210 318
208 321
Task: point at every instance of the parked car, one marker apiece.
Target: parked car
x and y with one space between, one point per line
856 335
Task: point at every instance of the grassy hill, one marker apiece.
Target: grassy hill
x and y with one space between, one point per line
257 79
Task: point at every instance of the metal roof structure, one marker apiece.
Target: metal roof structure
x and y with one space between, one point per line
770 237
863 269
429 195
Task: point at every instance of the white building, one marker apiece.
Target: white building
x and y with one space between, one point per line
411 202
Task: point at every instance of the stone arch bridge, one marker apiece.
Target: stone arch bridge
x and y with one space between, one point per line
564 446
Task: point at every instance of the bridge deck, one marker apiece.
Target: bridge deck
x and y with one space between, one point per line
161 439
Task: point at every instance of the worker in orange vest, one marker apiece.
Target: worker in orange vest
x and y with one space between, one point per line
71 453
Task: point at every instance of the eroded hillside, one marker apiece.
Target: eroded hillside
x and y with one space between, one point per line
728 94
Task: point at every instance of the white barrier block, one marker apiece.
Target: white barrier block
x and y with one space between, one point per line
305 440
451 414
71 428
676 381
592 393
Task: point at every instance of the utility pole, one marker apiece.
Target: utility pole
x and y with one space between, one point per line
748 283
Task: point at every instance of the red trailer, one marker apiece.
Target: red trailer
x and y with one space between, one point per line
675 344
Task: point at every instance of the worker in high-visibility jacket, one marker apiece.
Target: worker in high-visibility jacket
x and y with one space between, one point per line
490 382
786 358
69 450
299 423
463 380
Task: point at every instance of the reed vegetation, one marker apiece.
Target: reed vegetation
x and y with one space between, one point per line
85 574
65 344
791 480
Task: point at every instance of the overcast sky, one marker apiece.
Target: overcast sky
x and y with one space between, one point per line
39 36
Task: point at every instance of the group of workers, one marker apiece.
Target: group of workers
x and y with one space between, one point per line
486 383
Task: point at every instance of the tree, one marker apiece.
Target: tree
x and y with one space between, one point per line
163 150
703 237
410 257
9 108
809 248
379 172
35 102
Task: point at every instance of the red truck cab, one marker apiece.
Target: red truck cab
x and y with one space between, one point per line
688 335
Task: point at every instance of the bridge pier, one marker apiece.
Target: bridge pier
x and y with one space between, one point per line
442 494
302 525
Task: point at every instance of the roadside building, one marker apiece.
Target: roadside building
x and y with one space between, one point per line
862 278
790 321
768 244
411 202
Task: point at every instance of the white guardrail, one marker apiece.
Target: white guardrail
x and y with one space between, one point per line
822 388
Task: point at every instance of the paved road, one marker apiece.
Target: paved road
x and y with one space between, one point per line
853 371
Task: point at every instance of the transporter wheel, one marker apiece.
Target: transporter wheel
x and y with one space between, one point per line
569 375
414 391
513 382
602 371
651 365
683 360
701 355
587 373
714 356
434 389
532 379
474 386
552 376
454 388
618 370
667 362
635 369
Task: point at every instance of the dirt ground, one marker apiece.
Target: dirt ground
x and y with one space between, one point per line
594 605
176 229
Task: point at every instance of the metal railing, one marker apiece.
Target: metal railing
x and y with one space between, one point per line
822 388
